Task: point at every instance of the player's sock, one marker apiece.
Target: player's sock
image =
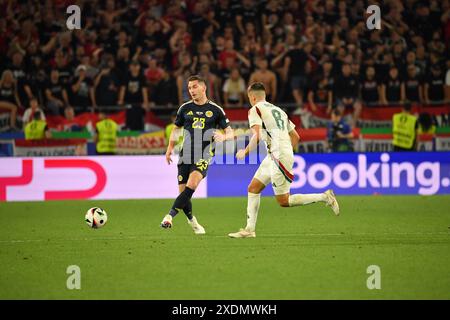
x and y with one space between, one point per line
188 210
173 212
252 210
182 200
301 199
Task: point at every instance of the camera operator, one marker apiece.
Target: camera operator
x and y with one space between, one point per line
339 133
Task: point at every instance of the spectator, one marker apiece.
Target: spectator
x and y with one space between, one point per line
426 125
413 85
228 55
183 93
37 75
247 13
154 35
393 90
205 54
222 13
107 84
321 93
229 58
234 90
37 128
153 73
411 60
55 94
163 93
198 21
265 76
339 133
20 75
346 89
133 92
213 83
370 88
70 123
29 113
447 81
61 63
294 70
123 60
110 13
82 94
9 98
434 86
404 130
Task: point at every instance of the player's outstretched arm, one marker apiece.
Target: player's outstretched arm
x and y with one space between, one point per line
172 141
220 137
254 140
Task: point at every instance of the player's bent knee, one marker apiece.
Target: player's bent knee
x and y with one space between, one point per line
283 204
194 180
192 185
255 186
283 201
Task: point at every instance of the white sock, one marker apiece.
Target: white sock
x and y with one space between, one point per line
252 210
300 199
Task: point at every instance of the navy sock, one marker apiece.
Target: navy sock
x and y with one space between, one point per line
181 201
188 210
173 212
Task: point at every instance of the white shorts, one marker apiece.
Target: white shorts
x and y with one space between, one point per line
277 172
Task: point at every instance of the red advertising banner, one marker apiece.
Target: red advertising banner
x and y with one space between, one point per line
50 147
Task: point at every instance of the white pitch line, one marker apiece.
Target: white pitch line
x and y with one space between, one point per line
268 235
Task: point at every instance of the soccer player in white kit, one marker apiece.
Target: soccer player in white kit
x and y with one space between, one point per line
271 124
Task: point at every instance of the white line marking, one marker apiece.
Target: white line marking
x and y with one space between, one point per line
267 235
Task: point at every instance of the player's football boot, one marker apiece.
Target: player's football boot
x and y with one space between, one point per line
198 229
167 222
332 202
243 233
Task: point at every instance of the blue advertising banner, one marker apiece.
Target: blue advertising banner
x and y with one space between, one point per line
422 173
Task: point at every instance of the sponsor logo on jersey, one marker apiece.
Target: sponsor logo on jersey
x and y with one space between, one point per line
199 113
209 114
190 113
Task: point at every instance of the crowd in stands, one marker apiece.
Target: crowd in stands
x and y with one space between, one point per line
140 53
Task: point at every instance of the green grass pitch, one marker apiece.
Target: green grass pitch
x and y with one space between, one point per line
299 253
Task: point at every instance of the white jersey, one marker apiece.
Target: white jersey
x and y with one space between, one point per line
276 125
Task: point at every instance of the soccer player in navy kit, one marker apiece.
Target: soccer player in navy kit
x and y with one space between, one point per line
198 118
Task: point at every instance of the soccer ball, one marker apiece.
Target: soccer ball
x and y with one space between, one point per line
96 217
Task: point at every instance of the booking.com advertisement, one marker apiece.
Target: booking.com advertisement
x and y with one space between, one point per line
347 173
150 177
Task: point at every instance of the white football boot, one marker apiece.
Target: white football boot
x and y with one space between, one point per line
243 233
198 229
167 222
332 202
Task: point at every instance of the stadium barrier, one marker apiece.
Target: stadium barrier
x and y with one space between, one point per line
149 177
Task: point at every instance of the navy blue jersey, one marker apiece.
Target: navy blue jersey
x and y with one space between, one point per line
199 123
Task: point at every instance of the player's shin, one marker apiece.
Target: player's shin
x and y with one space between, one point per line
253 201
302 199
188 210
181 201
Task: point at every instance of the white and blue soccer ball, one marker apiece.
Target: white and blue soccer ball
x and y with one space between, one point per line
96 217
